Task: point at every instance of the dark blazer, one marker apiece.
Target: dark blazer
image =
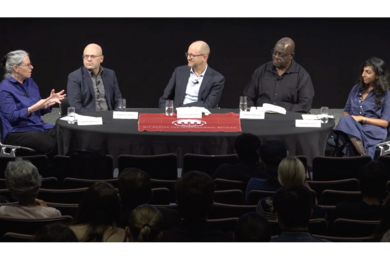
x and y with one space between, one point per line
209 93
81 94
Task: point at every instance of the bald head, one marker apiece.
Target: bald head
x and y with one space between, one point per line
287 43
201 46
93 48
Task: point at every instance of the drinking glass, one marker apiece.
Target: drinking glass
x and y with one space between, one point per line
324 115
169 107
122 105
71 115
243 103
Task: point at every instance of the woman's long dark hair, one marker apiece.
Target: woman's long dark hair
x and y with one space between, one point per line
381 85
99 209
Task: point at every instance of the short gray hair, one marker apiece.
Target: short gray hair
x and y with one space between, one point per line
11 59
23 180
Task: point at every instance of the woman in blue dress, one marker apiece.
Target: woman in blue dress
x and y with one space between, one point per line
367 112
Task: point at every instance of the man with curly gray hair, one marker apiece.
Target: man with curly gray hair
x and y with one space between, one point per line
23 181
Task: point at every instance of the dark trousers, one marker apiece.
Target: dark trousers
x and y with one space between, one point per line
42 142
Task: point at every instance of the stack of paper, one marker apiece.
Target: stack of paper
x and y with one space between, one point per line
85 120
269 108
314 117
200 109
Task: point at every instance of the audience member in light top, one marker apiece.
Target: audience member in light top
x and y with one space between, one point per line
23 181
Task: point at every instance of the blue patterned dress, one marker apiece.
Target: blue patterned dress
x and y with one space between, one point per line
370 135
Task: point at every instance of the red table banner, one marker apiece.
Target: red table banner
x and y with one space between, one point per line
228 122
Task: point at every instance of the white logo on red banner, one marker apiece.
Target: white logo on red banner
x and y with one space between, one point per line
189 123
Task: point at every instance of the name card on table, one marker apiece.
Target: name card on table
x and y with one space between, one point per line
307 123
125 115
253 114
189 113
89 120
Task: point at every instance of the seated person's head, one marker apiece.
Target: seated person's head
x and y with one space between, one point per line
293 205
373 180
56 232
23 181
145 224
291 171
246 146
99 209
252 227
386 237
194 195
135 187
272 152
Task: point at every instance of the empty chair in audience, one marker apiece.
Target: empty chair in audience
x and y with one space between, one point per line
23 181
246 146
290 172
195 197
293 205
272 152
145 225
373 184
135 188
98 211
55 232
252 227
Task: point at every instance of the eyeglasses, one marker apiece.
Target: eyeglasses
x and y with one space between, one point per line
26 65
90 56
192 55
280 55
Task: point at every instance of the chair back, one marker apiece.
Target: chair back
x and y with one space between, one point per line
40 161
338 168
206 163
74 183
224 224
65 208
334 197
28 226
225 184
235 197
169 184
83 165
385 159
220 210
316 226
342 185
160 196
71 196
354 228
17 237
162 166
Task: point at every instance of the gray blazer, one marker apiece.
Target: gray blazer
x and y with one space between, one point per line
209 93
81 94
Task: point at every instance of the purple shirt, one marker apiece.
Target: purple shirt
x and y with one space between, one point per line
15 99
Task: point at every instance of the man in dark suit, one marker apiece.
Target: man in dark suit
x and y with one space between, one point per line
92 87
198 85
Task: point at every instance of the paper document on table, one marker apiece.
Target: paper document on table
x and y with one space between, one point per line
201 109
269 108
85 120
313 117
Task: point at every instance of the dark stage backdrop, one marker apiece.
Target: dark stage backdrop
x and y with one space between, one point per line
144 51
